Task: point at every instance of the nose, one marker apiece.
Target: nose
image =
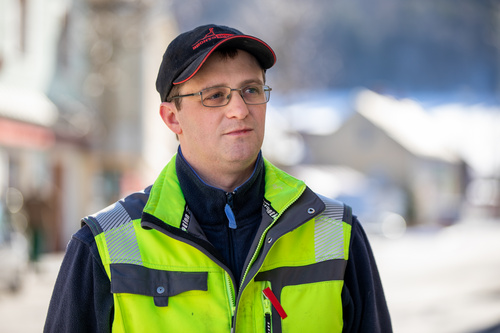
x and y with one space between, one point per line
236 108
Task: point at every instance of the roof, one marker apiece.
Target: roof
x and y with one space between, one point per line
407 123
27 105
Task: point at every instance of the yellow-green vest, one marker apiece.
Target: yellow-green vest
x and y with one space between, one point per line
166 279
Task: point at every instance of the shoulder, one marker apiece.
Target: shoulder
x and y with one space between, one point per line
84 236
82 246
123 211
336 209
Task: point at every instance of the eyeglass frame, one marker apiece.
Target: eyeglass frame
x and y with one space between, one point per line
266 89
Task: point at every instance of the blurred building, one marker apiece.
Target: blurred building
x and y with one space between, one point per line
395 144
28 39
79 123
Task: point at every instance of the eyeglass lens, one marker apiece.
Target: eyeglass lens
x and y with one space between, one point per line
219 96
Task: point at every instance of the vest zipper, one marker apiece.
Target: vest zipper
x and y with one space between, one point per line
266 303
268 293
261 241
230 296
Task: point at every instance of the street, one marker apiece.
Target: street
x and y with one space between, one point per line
445 281
25 311
436 281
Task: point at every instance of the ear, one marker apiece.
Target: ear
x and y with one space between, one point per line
168 113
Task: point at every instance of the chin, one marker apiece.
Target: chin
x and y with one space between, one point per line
243 155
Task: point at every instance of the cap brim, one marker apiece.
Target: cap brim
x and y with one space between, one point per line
259 49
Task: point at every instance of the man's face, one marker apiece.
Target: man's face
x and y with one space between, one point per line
228 138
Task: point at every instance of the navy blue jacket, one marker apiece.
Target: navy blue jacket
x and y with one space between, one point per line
82 301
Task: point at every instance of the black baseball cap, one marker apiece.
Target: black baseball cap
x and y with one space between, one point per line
188 52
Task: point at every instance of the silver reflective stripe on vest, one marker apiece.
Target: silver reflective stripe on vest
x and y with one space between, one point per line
329 231
119 232
112 216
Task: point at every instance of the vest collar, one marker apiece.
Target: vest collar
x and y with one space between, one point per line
166 200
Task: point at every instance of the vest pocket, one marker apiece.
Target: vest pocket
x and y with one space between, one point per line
313 307
310 295
159 284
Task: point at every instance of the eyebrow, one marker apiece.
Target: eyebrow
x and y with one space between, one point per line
251 81
242 84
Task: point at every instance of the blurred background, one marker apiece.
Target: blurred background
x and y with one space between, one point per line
391 106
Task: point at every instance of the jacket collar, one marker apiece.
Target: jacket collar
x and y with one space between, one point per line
167 202
208 202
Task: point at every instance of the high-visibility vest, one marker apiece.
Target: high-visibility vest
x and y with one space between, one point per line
167 279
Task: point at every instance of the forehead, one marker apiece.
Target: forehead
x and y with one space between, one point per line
228 69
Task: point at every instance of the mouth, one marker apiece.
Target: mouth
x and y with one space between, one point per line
239 131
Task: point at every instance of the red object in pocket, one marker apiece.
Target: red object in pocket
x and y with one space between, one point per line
274 301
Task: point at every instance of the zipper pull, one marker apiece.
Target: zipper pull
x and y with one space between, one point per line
268 323
228 209
267 314
232 324
274 301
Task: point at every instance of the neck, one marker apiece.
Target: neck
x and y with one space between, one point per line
228 179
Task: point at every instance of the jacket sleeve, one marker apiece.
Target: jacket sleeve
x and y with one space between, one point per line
81 300
365 307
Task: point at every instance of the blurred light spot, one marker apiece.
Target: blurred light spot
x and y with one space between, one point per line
20 222
393 225
14 200
101 52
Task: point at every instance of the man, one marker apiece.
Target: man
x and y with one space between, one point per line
223 241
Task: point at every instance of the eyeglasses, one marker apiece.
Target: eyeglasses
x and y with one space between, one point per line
219 96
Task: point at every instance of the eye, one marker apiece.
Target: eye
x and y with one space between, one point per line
212 95
252 90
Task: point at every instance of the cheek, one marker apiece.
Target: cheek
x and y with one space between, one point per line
261 121
199 126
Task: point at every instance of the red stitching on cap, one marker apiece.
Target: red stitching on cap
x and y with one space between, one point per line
216 46
208 37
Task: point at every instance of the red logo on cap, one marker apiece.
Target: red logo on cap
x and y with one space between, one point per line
210 36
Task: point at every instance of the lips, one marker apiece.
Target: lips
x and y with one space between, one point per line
238 131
